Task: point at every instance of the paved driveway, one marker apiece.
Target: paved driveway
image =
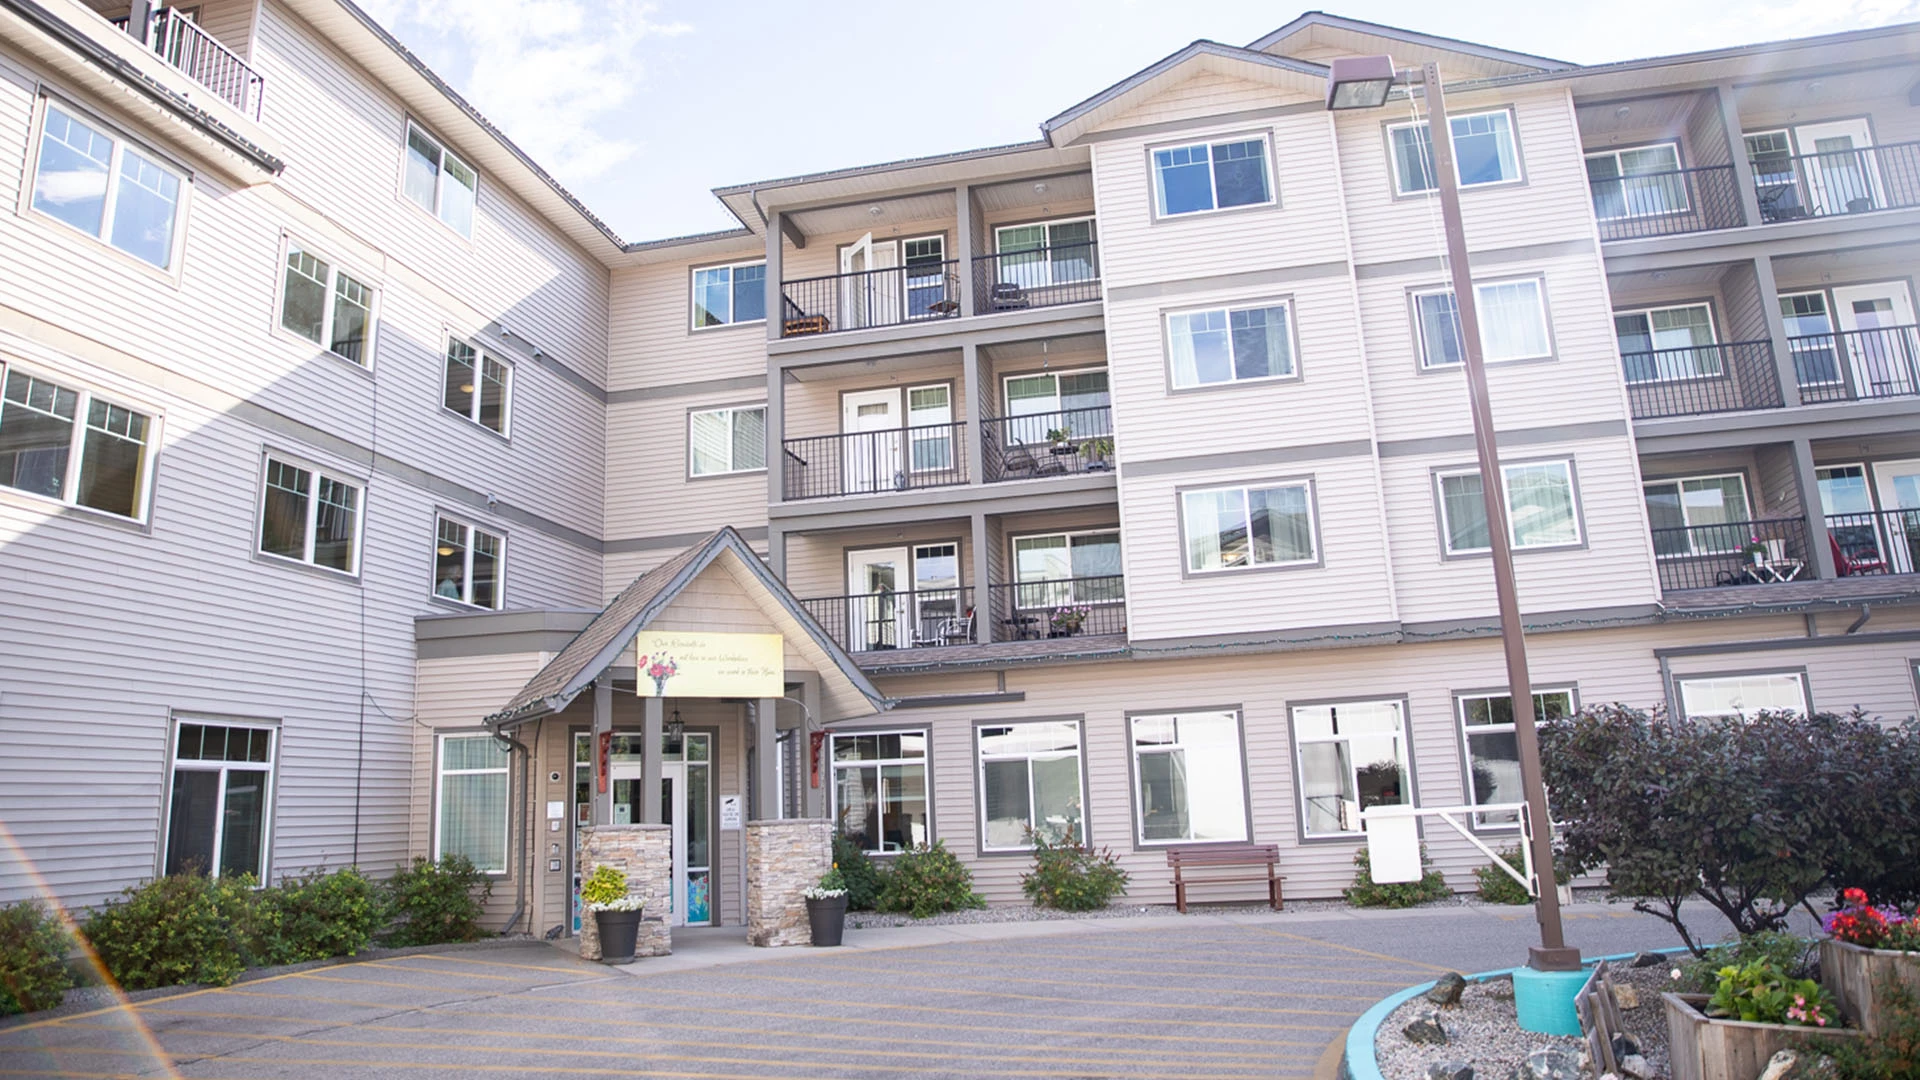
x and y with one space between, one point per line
1195 998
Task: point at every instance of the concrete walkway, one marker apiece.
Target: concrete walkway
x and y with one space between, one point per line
1225 995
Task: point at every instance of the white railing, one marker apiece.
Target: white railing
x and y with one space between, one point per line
179 41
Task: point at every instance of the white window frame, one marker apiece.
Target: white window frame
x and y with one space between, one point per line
438 209
1393 157
499 558
176 239
1428 363
440 774
272 768
1246 510
1481 821
1078 755
1678 484
693 295
289 244
1621 177
77 444
1440 476
315 474
1680 683
1403 737
481 356
1046 275
1160 211
1228 311
1135 752
1068 536
733 468
835 765
1711 347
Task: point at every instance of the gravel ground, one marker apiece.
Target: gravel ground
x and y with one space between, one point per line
1482 1030
860 920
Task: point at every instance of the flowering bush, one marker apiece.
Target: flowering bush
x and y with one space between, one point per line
606 890
1066 620
1760 993
832 886
1860 923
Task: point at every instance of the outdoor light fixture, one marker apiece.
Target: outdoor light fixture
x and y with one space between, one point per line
1362 82
676 730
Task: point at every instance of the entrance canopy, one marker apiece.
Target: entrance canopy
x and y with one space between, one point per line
718 584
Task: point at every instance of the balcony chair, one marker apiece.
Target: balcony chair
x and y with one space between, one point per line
954 630
1006 296
1779 202
1020 463
1844 565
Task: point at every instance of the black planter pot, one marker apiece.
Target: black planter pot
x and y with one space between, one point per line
619 931
828 917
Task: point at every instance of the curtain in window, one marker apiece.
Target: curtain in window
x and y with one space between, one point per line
1540 505
749 439
712 442
1216 529
1326 785
1008 809
1280 525
1463 501
1413 158
473 805
1163 796
283 519
1511 326
1071 253
1262 345
1202 350
1439 329
1056 797
1483 149
335 524
1240 173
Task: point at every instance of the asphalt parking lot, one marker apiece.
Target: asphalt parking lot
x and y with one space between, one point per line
1198 998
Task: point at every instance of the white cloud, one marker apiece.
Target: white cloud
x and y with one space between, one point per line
549 73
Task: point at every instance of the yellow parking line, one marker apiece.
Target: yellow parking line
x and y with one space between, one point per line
590 971
1075 1000
1157 974
1357 952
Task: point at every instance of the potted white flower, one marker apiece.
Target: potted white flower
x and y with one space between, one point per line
827 907
616 915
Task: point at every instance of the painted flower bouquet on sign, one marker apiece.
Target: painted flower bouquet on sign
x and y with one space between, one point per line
659 669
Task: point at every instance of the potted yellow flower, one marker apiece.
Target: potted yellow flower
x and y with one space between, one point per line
616 915
827 907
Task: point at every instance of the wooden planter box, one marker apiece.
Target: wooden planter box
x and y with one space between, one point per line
1703 1048
1854 974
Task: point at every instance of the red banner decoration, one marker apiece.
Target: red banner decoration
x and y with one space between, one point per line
816 740
600 761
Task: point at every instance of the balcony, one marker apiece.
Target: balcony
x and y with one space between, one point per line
1857 365
1699 379
1036 277
865 462
1881 542
1030 611
180 41
1767 552
1854 181
1666 203
1064 443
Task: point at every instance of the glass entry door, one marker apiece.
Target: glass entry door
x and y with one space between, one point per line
1899 488
686 804
1877 323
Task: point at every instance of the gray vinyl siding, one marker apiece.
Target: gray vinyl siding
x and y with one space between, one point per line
1778 482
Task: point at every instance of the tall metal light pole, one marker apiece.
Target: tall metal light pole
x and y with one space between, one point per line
1363 82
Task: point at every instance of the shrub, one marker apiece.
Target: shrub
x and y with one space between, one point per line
927 881
1879 820
312 918
865 879
1760 993
434 902
182 928
1788 953
1364 893
33 958
1893 1053
1497 887
1070 877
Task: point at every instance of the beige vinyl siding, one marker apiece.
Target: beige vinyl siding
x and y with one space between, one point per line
817 562
1205 95
813 406
1707 140
649 490
230 22
1889 119
652 342
821 256
1778 483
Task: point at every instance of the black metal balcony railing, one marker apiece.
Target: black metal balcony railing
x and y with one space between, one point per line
1666 203
1036 277
1700 379
897 620
868 298
179 41
1882 542
1857 365
1058 608
1837 181
897 459
1062 443
1761 552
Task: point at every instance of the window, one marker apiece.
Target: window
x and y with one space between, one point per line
1048 253
1698 515
1351 756
468 564
880 790
471 818
1231 345
1540 509
1493 752
725 295
1076 401
1190 783
1483 152
1237 527
1810 339
928 291
1665 344
478 386
1067 568
310 517
1744 695
930 427
105 188
1641 182
45 448
218 812
325 305
1513 323
439 182
728 441
1216 176
1030 781
1771 153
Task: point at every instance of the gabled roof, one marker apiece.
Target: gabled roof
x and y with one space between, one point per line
1156 77
597 647
1302 31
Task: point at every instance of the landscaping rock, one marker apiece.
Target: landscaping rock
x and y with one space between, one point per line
1552 1064
1626 996
1449 1070
1635 1067
1780 1065
1624 1047
1649 959
1426 1029
1447 989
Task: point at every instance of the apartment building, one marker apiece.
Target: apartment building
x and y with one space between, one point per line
1118 483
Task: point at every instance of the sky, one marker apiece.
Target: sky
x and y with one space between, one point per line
642 108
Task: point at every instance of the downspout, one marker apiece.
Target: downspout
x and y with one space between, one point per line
1866 612
520 887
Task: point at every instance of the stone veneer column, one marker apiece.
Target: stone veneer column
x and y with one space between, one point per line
784 858
645 854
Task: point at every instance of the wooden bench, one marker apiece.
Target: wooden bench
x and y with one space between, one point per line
1229 857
